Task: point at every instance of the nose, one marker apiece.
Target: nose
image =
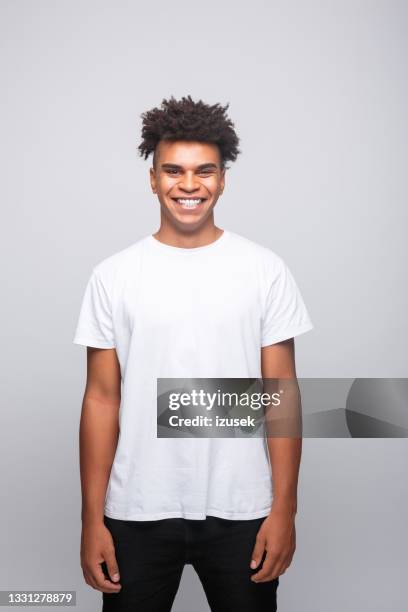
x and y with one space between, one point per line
188 182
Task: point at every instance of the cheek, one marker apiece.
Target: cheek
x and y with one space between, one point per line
165 185
213 186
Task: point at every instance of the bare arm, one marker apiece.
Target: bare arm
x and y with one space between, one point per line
277 534
278 361
99 429
98 437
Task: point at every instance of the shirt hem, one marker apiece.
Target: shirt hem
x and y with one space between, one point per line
157 516
291 332
92 343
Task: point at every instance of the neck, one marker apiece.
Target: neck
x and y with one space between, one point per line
187 237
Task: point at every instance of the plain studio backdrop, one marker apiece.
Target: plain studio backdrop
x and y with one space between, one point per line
318 94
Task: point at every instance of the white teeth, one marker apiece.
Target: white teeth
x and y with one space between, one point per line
189 202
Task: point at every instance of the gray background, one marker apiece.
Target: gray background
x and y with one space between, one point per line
318 93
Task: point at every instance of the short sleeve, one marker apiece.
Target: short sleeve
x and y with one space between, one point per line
285 314
94 326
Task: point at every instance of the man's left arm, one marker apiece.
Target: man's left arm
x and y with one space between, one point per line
277 535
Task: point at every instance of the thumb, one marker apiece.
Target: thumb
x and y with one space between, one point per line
112 566
258 551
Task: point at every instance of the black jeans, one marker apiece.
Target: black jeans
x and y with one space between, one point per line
151 556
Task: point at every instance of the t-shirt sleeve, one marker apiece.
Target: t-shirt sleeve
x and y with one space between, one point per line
285 314
94 327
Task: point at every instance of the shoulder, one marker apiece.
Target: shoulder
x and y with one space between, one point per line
261 255
120 262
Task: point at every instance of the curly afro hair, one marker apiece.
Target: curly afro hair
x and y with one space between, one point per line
188 120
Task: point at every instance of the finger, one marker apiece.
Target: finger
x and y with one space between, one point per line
89 580
112 566
266 571
273 574
257 552
102 583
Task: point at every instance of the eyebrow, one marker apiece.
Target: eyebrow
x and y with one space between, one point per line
200 167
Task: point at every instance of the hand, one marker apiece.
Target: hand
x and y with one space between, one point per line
277 535
97 547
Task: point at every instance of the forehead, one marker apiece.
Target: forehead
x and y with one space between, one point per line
187 153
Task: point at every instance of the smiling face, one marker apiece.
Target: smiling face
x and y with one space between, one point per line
188 179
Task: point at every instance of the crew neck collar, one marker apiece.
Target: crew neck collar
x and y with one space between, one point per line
206 247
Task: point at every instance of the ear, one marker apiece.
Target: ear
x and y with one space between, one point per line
152 173
222 179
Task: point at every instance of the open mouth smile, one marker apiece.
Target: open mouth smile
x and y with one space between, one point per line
189 202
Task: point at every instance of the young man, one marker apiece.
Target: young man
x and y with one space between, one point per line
192 300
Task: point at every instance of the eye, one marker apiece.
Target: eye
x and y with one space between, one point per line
172 171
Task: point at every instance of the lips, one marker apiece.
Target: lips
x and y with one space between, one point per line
189 203
189 200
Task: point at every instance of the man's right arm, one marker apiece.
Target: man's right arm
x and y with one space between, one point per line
98 438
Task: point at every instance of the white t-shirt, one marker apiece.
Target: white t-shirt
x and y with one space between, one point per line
173 312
